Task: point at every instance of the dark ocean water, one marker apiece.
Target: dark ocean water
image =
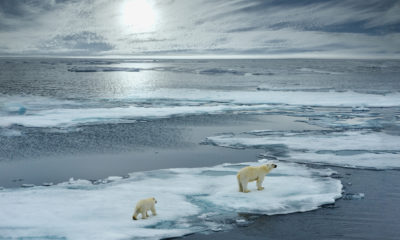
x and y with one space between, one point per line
93 119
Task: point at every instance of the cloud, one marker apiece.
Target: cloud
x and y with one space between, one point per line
339 28
78 43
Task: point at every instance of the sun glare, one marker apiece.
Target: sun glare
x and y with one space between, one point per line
138 16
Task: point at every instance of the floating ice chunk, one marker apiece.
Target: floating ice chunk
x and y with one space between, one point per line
15 108
47 184
9 132
66 117
314 141
356 149
311 70
353 196
241 221
185 199
27 185
284 97
113 178
213 71
366 160
360 109
102 69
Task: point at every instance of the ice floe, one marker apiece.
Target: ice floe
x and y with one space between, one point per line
73 116
365 160
359 149
353 196
102 69
188 201
48 112
295 98
318 71
314 140
10 132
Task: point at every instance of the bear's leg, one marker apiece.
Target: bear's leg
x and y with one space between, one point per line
144 214
147 214
240 186
244 186
134 217
259 183
153 210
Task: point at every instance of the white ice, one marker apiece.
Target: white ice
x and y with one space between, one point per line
295 98
46 112
379 161
80 210
350 140
65 117
376 150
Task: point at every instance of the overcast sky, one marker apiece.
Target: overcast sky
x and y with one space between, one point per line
298 28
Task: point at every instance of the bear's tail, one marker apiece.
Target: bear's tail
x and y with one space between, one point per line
240 185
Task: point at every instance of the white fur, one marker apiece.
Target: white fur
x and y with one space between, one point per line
250 174
143 206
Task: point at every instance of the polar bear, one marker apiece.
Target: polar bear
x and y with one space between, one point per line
250 174
143 206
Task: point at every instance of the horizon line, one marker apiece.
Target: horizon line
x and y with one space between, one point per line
210 56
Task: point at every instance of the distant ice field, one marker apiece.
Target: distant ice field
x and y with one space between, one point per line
356 102
71 92
34 111
189 200
357 149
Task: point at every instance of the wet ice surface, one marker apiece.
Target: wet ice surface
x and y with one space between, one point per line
358 149
189 200
34 111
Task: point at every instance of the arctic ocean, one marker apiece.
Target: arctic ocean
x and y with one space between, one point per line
82 140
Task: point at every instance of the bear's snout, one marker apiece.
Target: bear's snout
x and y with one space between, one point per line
274 165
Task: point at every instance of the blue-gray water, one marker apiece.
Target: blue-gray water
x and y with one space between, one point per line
94 118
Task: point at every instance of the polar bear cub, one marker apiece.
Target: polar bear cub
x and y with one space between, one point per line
250 174
143 206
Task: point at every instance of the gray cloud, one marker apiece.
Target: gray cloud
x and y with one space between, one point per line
79 42
340 28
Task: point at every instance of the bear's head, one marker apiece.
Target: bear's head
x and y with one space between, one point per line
269 166
155 201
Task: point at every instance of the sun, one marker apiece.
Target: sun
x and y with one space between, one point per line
138 16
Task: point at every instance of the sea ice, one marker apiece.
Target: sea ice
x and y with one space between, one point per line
366 160
66 117
354 196
314 140
357 149
102 69
47 112
9 132
78 209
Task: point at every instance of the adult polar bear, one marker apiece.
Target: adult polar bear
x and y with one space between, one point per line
143 206
250 174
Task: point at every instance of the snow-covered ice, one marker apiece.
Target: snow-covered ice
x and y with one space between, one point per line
187 198
358 149
48 112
